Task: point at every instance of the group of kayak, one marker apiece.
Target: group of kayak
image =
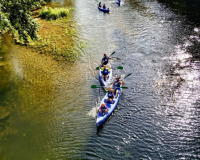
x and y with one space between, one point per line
104 9
110 100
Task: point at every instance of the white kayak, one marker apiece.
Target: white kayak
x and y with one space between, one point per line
107 82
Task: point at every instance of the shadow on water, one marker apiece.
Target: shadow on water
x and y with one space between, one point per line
189 8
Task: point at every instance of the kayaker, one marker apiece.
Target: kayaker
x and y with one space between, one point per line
100 4
103 108
104 60
110 95
104 6
116 86
105 72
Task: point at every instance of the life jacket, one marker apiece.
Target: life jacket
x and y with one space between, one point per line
105 60
116 84
104 7
105 71
103 108
110 94
100 5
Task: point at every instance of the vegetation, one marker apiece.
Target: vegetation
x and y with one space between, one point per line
15 17
50 13
59 38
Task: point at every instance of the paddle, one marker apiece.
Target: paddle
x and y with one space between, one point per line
95 86
127 76
108 57
119 67
112 54
121 80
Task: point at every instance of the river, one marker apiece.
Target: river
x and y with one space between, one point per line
47 108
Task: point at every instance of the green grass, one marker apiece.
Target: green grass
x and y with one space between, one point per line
54 13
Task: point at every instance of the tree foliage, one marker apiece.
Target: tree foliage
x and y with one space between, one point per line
15 17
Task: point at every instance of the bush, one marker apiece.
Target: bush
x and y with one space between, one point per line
54 13
15 16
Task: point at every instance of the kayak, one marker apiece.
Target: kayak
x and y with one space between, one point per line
102 117
118 2
103 82
104 10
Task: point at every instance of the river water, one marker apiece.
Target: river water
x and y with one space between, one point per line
47 109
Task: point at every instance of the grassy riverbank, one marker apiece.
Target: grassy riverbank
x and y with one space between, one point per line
58 37
58 34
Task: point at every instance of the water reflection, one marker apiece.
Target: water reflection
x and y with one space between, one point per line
40 100
181 94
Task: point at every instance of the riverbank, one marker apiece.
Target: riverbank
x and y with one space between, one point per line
58 38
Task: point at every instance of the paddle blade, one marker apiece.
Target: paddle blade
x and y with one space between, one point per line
124 87
119 67
105 91
97 68
127 75
112 53
94 86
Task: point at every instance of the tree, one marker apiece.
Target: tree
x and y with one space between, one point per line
15 17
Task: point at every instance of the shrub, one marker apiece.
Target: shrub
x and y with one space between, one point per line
54 13
15 16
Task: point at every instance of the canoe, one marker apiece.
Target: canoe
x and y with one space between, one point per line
105 83
118 2
101 117
104 10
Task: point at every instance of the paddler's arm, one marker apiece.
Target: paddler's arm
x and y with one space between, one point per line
113 83
122 82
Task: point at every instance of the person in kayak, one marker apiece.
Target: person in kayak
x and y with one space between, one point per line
104 6
110 95
104 60
116 86
100 4
105 72
103 108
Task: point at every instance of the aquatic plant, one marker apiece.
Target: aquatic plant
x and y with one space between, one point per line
54 13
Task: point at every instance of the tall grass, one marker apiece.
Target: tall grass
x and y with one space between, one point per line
54 13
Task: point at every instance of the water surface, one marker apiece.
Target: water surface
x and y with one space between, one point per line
48 109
